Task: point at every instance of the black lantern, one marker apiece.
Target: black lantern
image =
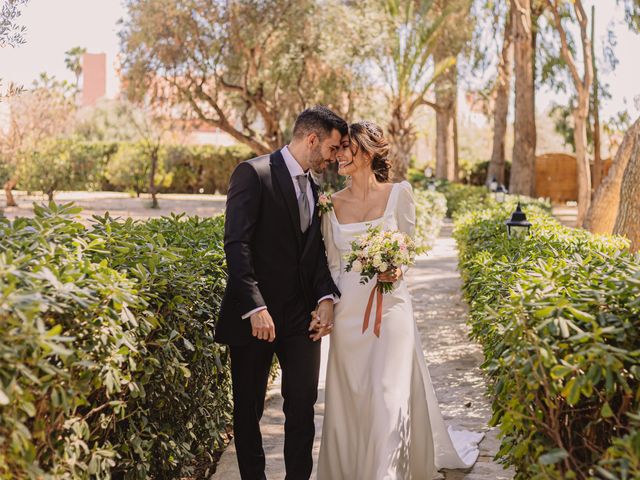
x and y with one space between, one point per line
500 194
517 225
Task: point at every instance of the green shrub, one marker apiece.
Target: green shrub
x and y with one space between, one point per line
557 314
203 167
108 365
622 458
80 165
477 173
465 198
130 167
462 198
64 164
430 211
417 178
47 168
89 161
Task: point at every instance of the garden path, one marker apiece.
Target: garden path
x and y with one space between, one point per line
453 362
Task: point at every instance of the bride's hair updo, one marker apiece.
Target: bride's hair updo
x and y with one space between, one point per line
370 138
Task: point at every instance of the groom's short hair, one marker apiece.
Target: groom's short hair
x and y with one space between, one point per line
319 120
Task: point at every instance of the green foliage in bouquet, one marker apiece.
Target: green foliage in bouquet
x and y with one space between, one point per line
558 316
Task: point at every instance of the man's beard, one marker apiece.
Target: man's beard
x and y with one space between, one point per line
318 163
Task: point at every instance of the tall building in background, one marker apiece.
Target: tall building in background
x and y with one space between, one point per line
94 77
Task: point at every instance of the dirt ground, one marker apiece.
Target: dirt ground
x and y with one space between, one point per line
120 204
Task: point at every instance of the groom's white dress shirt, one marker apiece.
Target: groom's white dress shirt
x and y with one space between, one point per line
295 170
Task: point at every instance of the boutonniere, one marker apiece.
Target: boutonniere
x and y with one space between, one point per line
325 205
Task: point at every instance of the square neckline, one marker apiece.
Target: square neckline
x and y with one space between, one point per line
384 214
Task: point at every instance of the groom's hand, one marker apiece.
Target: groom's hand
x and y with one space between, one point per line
322 319
262 326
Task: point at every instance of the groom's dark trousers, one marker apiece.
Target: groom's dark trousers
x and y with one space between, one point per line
273 264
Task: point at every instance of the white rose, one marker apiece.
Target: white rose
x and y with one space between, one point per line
356 266
383 267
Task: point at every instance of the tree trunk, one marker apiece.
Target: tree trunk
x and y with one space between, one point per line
628 221
501 110
597 159
601 217
8 187
582 84
456 150
580 115
402 138
446 87
523 167
152 177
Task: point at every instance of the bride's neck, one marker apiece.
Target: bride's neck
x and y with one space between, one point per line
363 183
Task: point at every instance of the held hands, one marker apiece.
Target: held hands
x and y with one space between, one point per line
390 276
262 326
321 320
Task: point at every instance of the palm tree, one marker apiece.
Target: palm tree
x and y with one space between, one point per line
73 61
406 61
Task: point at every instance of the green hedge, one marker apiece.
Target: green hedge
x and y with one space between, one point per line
107 360
70 164
65 164
431 208
203 167
464 198
558 315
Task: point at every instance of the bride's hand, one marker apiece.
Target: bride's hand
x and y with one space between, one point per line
317 328
390 276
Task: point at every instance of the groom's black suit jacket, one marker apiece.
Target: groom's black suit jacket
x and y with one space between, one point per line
270 261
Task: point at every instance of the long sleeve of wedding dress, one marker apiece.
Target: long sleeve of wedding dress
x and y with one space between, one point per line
406 209
333 254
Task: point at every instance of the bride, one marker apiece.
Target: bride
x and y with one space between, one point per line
382 420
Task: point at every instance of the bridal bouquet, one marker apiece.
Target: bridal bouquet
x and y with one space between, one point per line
379 251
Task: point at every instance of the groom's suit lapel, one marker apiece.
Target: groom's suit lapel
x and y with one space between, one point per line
285 185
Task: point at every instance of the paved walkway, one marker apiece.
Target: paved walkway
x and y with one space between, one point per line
453 363
566 214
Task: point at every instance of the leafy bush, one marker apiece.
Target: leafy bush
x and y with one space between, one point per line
462 198
622 458
69 163
430 211
59 164
557 314
108 365
465 198
477 173
203 167
47 168
130 167
89 161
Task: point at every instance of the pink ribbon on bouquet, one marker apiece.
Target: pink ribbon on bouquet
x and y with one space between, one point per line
367 313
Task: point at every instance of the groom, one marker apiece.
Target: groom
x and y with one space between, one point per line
278 275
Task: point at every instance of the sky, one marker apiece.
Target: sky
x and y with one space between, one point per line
55 26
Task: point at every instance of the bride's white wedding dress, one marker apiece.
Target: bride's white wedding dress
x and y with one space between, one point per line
382 420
